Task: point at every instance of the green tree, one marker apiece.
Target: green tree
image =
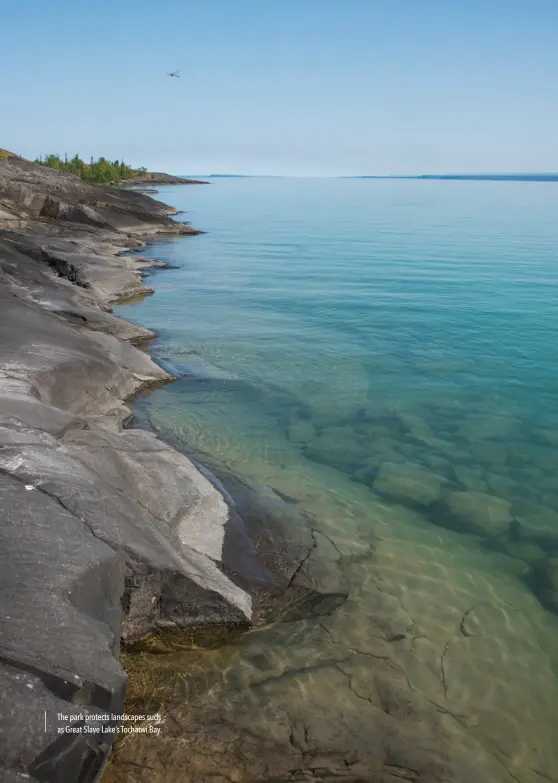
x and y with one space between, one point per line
100 170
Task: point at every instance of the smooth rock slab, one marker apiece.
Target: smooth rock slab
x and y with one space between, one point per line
537 524
61 589
408 482
479 513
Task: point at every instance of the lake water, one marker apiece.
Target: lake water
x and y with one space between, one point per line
385 355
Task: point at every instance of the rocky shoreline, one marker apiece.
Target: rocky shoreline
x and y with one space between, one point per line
381 648
158 178
108 534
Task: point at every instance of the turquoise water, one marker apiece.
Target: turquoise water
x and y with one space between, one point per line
385 354
437 299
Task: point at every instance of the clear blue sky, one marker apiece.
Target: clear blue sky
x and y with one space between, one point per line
303 87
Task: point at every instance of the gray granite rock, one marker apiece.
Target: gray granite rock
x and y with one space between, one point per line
109 533
61 590
33 191
286 562
105 533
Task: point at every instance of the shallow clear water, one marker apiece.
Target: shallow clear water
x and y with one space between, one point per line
385 353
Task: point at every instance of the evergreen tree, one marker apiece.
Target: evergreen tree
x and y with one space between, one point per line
100 170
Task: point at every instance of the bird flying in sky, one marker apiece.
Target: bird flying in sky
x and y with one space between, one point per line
174 73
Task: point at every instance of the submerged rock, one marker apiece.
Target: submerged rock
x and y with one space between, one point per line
488 452
478 512
477 427
471 478
441 465
549 435
301 431
546 482
504 486
550 499
523 550
544 581
367 470
373 430
418 428
337 446
545 457
284 560
408 482
537 523
383 445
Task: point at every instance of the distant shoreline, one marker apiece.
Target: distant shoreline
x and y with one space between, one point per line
458 177
469 177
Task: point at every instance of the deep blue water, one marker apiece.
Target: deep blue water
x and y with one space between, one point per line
385 354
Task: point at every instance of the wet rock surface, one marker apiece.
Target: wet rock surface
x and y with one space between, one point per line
381 689
440 665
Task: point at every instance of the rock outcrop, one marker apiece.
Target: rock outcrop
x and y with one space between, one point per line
158 178
108 533
402 653
31 191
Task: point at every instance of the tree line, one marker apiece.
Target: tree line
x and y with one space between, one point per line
100 170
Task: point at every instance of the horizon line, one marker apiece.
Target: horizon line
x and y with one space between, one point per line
463 176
